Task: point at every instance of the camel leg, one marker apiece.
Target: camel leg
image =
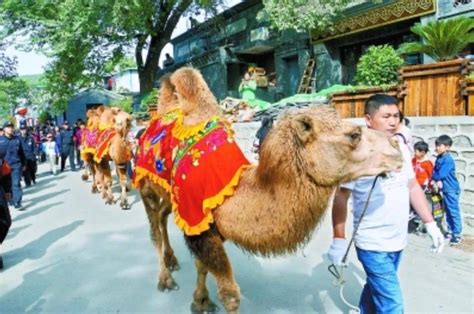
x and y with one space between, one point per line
106 182
94 173
209 248
85 174
171 261
122 175
201 301
152 203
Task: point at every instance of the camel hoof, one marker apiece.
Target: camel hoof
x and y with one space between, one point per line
94 190
109 202
204 306
85 177
167 285
124 205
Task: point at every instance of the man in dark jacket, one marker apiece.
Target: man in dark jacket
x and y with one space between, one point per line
29 149
67 146
5 195
15 157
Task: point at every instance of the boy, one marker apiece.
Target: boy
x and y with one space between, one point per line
444 175
422 165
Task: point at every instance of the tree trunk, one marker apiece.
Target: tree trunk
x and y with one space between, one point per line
147 73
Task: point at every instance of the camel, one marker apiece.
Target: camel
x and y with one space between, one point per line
89 145
278 202
113 146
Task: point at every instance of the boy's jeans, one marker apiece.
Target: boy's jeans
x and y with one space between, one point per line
453 214
382 293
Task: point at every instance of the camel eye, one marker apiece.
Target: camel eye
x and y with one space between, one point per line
354 136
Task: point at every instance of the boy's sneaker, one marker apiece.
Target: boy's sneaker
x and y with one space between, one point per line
455 241
448 235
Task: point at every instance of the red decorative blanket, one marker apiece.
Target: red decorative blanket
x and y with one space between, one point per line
89 142
103 140
200 166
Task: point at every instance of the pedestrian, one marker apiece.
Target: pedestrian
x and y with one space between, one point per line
444 175
422 165
15 157
51 149
29 149
5 196
404 133
265 127
382 231
57 139
78 142
67 147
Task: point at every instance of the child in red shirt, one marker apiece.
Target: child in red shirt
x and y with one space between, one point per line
422 165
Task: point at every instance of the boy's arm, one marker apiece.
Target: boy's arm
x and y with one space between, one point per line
443 169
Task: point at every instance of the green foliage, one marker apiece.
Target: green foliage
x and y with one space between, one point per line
43 117
150 99
302 14
442 40
378 66
7 64
13 92
85 38
125 104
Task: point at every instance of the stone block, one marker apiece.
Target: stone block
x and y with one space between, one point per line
467 129
454 153
425 129
460 165
470 181
461 141
461 178
467 196
448 128
467 208
468 155
470 168
416 139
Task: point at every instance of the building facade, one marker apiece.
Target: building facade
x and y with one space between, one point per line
224 47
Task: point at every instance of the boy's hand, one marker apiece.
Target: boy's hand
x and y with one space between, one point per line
439 184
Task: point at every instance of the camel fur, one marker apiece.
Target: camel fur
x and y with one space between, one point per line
119 152
87 155
279 202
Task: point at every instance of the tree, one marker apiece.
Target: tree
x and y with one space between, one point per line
302 15
7 64
13 93
81 36
379 65
442 40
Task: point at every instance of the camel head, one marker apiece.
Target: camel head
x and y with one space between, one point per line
315 144
192 91
167 99
93 116
122 121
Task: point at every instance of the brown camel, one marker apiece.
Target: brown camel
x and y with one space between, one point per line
116 148
277 203
89 147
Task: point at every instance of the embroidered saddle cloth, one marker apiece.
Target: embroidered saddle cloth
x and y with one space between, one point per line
103 140
155 147
200 166
89 142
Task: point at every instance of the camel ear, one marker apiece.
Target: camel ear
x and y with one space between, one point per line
115 110
304 127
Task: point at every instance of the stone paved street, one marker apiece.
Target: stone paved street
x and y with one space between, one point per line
70 253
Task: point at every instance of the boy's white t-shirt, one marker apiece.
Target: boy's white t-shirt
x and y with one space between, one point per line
384 226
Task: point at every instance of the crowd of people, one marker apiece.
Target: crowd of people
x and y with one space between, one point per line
21 149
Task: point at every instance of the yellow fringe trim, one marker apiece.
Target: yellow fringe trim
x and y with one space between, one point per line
103 126
141 173
88 150
208 205
182 132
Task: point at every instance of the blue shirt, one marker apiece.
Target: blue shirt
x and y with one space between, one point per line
445 171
